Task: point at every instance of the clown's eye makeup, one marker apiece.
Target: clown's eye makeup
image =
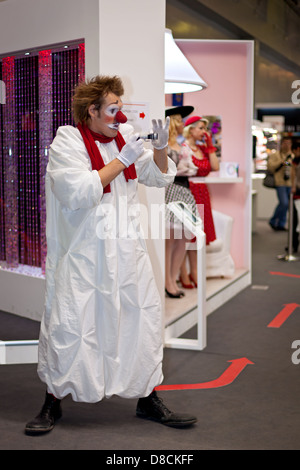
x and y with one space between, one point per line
111 110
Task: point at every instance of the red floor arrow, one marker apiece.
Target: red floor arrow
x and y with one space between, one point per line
230 374
283 315
274 273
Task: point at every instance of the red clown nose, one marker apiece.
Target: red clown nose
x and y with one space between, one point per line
121 118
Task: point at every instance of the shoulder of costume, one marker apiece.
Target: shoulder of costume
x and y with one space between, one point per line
68 133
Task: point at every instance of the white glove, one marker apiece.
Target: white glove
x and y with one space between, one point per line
131 151
163 133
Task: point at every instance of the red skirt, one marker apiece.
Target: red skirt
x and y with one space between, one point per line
202 198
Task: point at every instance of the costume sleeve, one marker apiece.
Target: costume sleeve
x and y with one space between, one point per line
149 174
147 171
73 182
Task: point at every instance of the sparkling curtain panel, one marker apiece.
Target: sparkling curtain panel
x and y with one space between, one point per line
38 99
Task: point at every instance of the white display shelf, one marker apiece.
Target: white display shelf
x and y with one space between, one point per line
266 198
181 314
19 352
215 179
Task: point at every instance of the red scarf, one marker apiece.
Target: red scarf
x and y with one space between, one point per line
89 138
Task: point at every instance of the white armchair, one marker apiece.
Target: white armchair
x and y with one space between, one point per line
219 262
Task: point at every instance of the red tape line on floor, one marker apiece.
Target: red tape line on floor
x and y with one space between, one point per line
230 374
274 273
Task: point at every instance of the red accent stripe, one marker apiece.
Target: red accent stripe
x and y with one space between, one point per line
274 273
228 376
283 315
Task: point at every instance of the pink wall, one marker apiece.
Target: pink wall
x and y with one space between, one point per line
227 69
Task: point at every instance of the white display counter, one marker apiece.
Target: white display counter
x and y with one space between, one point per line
266 198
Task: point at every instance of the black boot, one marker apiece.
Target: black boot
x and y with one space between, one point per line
153 408
45 420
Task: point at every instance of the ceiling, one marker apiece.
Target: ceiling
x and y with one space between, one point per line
274 26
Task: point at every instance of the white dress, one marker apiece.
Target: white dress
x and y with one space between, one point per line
101 332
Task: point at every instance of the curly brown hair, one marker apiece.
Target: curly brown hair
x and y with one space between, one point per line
94 91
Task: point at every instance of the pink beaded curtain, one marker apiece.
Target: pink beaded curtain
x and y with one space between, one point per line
26 92
45 138
39 87
2 224
9 165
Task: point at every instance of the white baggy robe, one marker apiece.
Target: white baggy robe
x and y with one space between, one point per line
101 332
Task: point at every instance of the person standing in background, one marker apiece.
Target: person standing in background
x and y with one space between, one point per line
280 164
295 176
199 149
177 191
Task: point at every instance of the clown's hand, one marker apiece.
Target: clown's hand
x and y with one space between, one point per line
131 151
162 133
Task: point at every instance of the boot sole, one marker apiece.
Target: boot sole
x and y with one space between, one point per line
34 432
171 424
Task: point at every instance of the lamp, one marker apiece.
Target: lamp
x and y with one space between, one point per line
180 76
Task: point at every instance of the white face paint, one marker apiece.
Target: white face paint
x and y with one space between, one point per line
111 112
104 121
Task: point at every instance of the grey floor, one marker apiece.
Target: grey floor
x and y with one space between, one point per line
258 410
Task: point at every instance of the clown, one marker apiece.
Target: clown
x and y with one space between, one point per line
101 329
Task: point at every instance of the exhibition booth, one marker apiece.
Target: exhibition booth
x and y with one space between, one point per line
226 67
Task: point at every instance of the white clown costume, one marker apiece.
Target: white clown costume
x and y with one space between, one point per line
101 329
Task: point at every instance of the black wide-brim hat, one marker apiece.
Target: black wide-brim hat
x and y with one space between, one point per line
184 111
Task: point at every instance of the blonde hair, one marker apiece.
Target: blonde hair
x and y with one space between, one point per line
186 130
173 133
172 130
94 91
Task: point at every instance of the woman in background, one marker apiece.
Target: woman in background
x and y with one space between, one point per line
198 148
177 191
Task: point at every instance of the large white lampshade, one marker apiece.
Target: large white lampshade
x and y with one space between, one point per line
180 76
